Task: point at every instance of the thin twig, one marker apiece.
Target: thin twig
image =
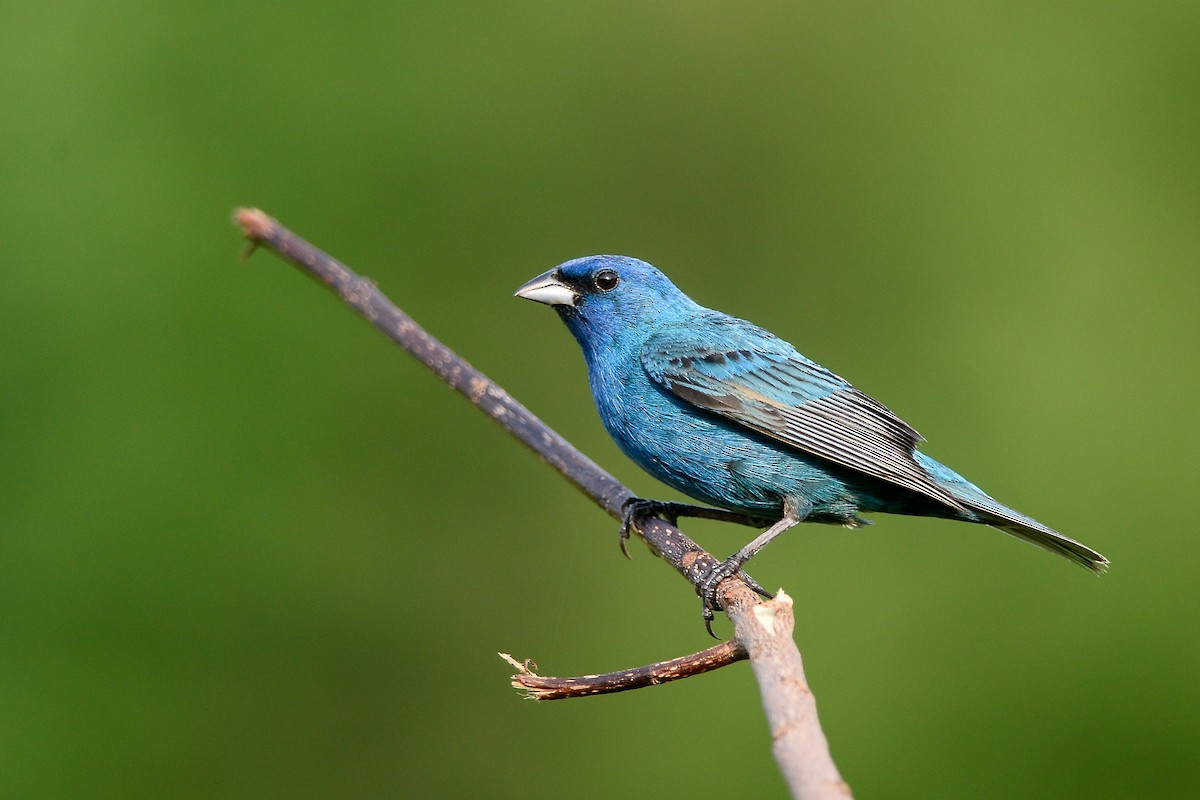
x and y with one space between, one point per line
541 687
763 630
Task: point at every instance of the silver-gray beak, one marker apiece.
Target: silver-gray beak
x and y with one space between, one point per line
549 289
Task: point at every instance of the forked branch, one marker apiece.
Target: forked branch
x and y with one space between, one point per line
763 631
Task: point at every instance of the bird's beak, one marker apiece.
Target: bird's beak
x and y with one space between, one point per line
549 289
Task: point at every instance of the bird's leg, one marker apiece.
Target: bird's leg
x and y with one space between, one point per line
794 512
638 508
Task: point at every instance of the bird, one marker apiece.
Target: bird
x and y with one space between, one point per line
733 416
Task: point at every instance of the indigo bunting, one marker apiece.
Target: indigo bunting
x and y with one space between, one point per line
733 416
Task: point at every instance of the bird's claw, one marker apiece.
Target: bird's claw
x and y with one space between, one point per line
755 586
638 508
708 620
708 588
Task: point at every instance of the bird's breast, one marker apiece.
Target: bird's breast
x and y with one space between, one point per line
682 446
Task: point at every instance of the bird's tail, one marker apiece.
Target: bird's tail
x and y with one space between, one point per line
991 512
1047 538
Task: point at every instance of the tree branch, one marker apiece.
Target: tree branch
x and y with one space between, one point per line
539 687
799 744
762 630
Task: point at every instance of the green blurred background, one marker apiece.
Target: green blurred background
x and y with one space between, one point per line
249 549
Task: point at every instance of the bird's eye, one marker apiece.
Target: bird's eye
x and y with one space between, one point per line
607 280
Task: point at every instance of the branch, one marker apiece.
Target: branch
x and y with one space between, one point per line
762 630
360 293
538 687
799 744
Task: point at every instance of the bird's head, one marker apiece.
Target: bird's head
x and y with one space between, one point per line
601 297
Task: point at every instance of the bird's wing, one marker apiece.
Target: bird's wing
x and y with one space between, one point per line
746 374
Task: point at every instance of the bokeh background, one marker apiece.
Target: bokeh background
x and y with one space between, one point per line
249 549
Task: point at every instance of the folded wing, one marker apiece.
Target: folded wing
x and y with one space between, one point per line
747 375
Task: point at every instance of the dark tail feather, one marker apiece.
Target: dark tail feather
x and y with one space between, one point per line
1052 540
1003 518
992 512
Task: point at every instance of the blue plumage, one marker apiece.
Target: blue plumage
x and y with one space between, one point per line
731 415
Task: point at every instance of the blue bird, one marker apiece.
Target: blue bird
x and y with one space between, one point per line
733 416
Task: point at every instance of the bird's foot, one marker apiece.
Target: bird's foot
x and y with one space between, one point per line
708 589
638 508
708 586
794 512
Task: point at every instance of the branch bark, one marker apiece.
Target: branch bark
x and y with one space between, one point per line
762 630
